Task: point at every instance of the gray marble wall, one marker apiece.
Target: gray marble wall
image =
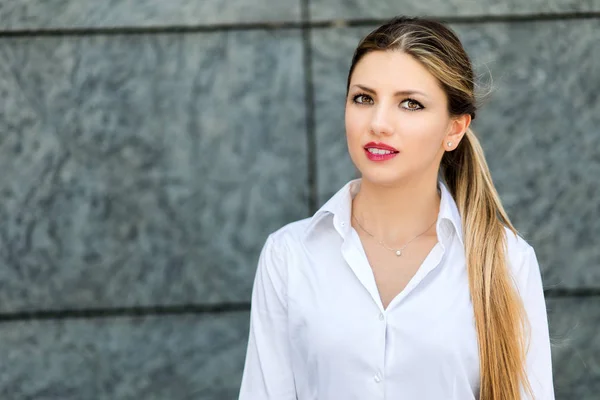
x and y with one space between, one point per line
147 148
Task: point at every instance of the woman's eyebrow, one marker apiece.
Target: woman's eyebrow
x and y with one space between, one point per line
398 93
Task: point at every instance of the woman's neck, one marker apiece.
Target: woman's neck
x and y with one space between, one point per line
396 214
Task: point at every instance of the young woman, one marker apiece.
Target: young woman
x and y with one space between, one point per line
410 282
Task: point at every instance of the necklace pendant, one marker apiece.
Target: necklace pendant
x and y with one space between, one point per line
398 253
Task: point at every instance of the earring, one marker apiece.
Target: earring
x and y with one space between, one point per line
449 144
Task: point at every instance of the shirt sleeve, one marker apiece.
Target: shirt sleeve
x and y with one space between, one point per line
539 361
268 369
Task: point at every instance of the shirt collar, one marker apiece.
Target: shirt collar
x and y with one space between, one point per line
339 206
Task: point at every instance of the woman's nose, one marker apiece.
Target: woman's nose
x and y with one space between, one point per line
381 123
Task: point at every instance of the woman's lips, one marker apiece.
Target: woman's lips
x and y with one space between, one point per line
380 151
379 157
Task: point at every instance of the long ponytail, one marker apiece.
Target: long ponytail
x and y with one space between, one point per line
500 318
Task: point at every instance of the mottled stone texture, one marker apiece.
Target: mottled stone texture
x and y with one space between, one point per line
364 9
153 358
539 128
575 347
60 14
146 169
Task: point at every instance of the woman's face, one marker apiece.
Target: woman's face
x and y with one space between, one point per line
394 101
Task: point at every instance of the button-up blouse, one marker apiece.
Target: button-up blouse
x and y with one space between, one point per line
319 331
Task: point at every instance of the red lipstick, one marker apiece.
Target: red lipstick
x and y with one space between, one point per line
380 152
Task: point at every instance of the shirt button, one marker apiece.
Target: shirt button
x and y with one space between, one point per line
381 317
377 378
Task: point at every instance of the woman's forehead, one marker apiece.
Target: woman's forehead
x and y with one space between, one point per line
392 71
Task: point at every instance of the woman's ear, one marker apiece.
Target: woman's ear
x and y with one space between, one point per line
458 128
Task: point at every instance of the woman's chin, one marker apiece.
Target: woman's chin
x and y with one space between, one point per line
381 177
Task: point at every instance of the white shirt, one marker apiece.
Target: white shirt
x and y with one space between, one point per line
318 329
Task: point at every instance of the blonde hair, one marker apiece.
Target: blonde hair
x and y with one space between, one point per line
500 318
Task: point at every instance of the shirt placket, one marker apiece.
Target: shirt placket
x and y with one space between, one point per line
360 266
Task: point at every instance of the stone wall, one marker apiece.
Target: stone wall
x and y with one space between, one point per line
147 148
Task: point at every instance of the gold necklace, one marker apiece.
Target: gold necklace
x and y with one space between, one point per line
397 251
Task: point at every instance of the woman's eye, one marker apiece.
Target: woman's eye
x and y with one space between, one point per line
362 99
411 105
